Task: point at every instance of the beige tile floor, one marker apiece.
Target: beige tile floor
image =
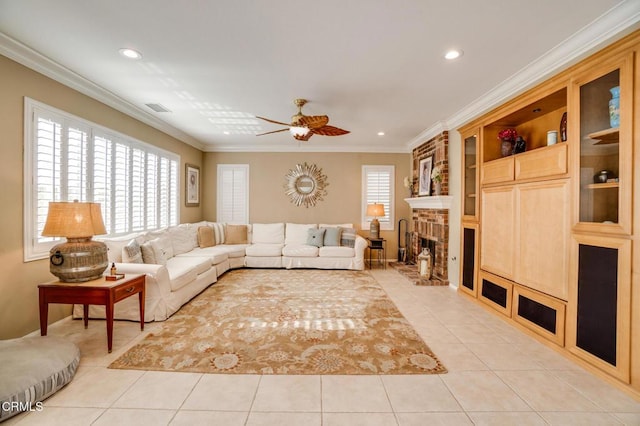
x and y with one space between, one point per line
497 376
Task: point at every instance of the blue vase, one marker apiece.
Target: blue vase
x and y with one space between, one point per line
614 107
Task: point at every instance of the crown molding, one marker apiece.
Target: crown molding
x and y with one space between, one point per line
296 146
433 131
614 24
28 57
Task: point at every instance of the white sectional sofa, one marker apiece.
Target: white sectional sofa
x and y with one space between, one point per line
178 266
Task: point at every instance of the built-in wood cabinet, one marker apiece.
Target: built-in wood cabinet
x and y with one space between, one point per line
498 231
542 236
555 230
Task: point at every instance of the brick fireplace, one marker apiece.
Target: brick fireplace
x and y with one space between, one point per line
430 224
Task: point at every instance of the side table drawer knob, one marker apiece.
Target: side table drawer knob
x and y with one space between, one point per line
130 289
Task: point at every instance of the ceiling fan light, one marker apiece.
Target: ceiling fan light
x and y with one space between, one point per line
298 131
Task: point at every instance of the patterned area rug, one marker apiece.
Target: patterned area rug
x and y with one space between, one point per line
287 322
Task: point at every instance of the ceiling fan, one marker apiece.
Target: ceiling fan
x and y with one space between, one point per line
302 127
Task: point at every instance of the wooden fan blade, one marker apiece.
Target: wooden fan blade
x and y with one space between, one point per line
304 137
273 121
275 131
313 121
330 131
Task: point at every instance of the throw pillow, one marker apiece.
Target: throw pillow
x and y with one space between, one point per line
235 234
348 238
315 237
132 253
206 237
332 236
148 255
158 246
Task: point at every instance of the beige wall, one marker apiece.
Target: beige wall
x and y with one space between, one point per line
268 202
19 280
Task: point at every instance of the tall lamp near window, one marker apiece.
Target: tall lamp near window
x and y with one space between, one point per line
375 210
80 258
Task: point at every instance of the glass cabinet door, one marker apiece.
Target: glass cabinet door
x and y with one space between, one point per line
604 147
470 174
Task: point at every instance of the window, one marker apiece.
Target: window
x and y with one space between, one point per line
377 187
68 158
233 193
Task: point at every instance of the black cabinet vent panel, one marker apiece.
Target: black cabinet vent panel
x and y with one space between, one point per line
495 293
468 264
537 313
597 301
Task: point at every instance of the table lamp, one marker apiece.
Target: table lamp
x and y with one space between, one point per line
376 210
80 258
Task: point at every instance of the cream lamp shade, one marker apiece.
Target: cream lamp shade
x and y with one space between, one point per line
375 210
78 259
74 220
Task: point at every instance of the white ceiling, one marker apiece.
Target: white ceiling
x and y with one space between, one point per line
370 65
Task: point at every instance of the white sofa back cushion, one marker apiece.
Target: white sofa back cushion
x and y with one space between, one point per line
340 225
297 233
116 244
268 233
182 239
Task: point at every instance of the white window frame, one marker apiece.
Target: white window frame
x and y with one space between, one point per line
220 195
35 247
388 222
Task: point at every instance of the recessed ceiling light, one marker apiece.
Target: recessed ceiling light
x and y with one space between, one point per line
226 132
453 54
130 53
380 133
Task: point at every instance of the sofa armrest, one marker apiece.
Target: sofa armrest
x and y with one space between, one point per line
360 246
157 276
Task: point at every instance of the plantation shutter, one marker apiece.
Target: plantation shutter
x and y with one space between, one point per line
377 187
67 158
233 193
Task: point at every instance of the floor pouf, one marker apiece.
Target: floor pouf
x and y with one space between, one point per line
32 369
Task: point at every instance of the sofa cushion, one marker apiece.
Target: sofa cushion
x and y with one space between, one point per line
216 254
264 250
296 233
348 237
178 264
268 233
300 250
315 237
332 236
183 270
206 236
331 251
235 250
132 253
236 234
183 238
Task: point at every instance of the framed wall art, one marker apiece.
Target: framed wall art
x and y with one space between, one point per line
192 185
424 182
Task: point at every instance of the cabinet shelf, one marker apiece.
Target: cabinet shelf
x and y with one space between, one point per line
603 185
605 137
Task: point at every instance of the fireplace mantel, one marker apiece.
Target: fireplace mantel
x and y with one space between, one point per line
432 202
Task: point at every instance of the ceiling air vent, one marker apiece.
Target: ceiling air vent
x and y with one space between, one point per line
158 107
